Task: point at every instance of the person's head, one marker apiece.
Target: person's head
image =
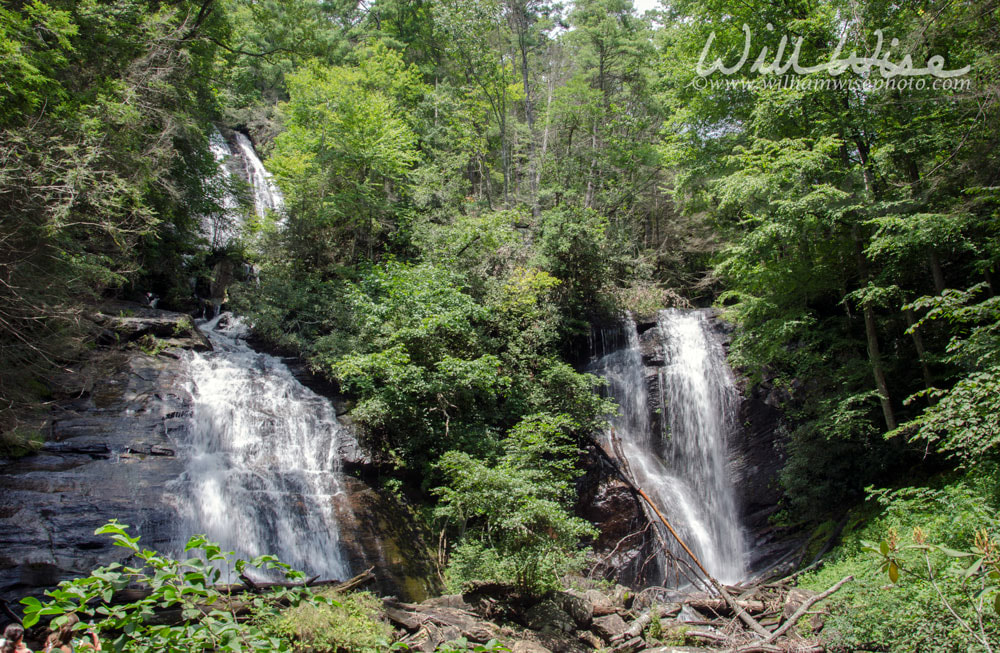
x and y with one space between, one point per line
12 635
64 635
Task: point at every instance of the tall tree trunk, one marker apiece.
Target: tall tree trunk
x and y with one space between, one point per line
918 344
871 334
589 198
521 25
936 273
535 209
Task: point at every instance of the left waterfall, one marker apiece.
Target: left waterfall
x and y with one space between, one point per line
222 228
262 472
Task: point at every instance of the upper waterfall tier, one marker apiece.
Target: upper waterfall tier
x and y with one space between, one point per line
225 226
266 195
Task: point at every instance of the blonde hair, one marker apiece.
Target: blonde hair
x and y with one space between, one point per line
64 635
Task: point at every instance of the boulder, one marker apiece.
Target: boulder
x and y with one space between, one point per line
794 600
525 646
609 626
590 639
576 605
123 323
602 603
549 617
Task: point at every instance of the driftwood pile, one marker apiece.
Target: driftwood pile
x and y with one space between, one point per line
656 620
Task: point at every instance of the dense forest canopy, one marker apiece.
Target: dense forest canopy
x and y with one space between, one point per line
472 184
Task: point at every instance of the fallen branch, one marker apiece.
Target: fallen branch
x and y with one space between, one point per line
804 608
719 606
639 625
770 648
715 638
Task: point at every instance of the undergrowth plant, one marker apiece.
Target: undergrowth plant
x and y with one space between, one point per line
182 608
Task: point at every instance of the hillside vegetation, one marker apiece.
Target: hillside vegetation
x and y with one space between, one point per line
472 184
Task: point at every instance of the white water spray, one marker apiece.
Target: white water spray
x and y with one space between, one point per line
266 195
687 472
262 472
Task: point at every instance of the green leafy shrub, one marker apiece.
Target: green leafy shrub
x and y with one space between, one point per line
211 619
874 614
462 645
346 623
515 512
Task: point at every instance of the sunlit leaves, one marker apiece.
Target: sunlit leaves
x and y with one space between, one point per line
212 620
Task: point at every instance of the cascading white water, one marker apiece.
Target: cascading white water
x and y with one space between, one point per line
262 470
266 195
222 228
686 473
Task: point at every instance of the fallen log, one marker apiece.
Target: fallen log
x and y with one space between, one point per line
639 625
770 648
413 617
719 606
132 595
804 608
631 645
707 636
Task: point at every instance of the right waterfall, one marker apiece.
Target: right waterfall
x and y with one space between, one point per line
673 430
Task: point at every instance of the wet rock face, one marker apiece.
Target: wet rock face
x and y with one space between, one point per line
757 460
622 548
378 531
108 456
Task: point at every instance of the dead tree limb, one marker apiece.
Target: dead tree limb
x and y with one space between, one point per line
707 636
639 625
740 612
804 608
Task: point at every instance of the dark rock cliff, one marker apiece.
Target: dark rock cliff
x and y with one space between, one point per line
623 550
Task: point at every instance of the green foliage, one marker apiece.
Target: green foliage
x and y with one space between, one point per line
343 157
575 248
655 629
151 345
963 421
425 382
18 442
910 614
974 574
344 623
515 511
462 645
210 616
